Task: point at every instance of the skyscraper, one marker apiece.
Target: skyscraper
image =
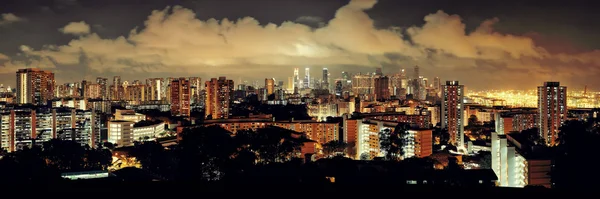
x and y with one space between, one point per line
218 96
307 78
325 82
195 88
155 91
180 97
270 85
296 79
362 84
452 112
103 82
382 91
34 86
117 88
552 109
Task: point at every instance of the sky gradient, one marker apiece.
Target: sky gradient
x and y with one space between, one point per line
483 44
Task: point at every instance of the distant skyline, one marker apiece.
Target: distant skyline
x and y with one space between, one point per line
484 45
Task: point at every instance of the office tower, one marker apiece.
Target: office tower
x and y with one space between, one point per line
339 88
379 71
290 84
416 70
103 82
307 78
452 112
325 82
382 90
362 84
34 86
395 85
218 96
155 90
296 79
180 97
270 86
552 109
195 88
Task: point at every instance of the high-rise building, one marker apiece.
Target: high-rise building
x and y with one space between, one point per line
84 83
155 90
290 84
552 109
382 90
307 78
296 79
325 82
34 86
180 97
196 87
452 112
103 82
362 84
93 91
218 96
338 88
269 86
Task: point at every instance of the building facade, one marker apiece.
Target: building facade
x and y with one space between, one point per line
23 127
180 97
218 96
34 86
552 109
452 112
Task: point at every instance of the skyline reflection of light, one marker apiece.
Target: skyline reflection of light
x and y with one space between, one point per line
528 98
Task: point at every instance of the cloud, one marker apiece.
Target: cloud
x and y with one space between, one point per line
173 39
9 18
4 57
76 28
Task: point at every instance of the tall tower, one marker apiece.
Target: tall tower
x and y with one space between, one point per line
452 112
218 95
325 81
552 110
103 82
270 85
34 86
180 97
307 78
296 79
382 90
195 88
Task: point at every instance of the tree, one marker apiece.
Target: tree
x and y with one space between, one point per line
334 147
573 158
392 142
365 156
485 160
473 120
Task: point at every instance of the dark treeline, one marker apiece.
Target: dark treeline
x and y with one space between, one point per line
48 161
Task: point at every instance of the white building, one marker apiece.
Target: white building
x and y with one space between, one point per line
125 133
129 115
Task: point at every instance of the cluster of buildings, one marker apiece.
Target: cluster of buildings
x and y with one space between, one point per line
367 103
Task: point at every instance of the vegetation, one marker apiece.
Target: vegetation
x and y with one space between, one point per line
213 153
574 166
47 162
334 148
392 142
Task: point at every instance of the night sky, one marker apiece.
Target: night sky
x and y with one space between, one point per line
499 44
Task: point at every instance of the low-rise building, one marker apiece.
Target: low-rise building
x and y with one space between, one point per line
125 133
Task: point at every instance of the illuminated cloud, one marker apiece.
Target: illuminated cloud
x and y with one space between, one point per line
76 28
9 18
4 57
173 39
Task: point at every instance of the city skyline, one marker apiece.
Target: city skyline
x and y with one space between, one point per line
81 45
